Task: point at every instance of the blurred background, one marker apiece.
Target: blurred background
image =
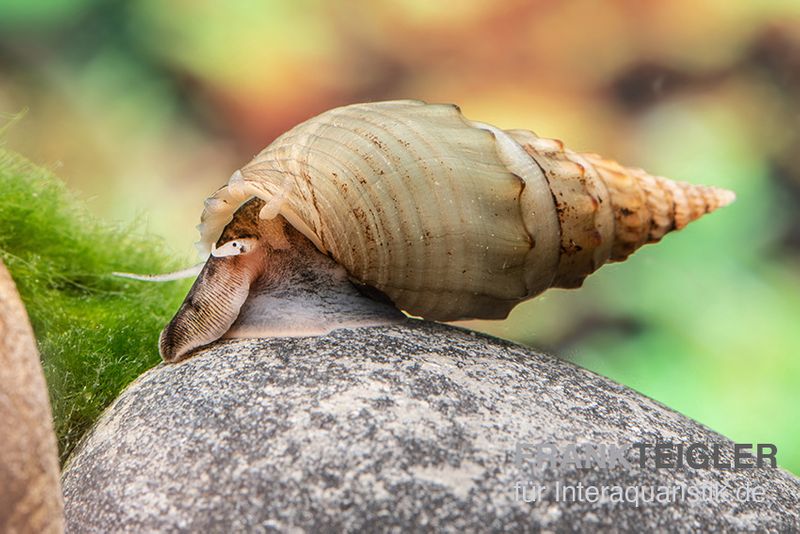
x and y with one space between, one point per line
147 106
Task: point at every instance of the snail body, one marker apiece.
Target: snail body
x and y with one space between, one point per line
267 280
450 218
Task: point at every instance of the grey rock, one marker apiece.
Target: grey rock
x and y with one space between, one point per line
407 427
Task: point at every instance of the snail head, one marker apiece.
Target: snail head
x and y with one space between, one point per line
239 258
264 278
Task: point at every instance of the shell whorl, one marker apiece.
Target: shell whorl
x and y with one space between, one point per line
606 211
450 218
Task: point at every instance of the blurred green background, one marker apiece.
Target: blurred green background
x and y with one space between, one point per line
146 106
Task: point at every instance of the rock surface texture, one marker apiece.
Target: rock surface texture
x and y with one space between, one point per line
30 500
406 427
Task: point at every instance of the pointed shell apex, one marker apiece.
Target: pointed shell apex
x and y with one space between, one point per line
725 197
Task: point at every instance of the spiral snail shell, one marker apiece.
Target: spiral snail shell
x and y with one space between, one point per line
448 217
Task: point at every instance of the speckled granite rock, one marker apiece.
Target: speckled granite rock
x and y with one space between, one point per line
411 427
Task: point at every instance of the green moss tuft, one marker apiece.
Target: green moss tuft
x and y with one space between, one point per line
96 332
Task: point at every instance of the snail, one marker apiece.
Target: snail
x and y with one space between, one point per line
437 215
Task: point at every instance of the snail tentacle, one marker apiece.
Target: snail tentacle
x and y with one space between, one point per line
189 272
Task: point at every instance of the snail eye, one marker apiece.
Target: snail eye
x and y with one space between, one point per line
232 248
